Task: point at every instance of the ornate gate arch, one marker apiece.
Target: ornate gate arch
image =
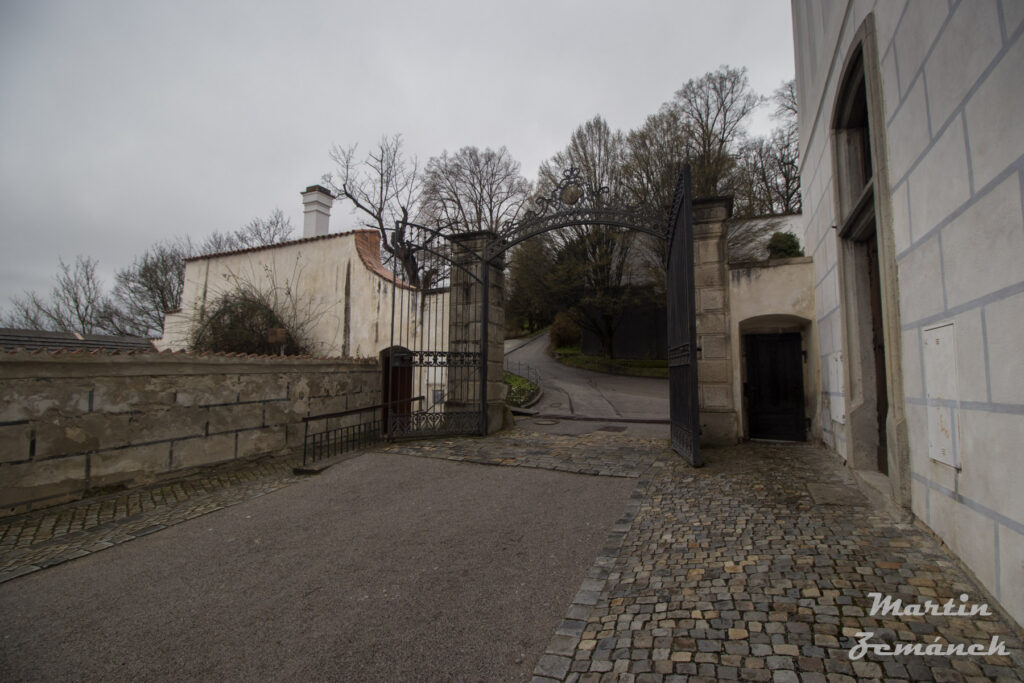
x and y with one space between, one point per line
447 324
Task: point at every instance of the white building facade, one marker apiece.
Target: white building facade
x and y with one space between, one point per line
912 170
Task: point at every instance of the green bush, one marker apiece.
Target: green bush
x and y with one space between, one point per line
784 245
565 331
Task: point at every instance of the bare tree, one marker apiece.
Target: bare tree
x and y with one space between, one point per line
76 302
474 190
143 292
152 285
785 101
655 154
768 176
148 288
712 110
598 152
768 180
259 232
384 188
262 232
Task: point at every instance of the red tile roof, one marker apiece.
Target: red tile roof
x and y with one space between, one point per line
368 248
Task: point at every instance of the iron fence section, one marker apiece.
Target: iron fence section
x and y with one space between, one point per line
352 430
520 395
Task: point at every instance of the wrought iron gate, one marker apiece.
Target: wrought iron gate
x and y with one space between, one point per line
434 369
682 327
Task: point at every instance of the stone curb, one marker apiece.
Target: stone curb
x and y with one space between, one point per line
532 339
557 658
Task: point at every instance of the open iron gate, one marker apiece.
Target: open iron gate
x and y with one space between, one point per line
435 372
682 327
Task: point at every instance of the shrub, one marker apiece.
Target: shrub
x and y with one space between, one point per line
784 245
565 331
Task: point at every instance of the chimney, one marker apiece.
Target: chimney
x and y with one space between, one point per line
316 210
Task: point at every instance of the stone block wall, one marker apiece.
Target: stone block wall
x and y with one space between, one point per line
718 417
71 422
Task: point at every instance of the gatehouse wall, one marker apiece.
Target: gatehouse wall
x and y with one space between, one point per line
718 417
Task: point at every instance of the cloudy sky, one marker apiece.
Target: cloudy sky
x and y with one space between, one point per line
126 122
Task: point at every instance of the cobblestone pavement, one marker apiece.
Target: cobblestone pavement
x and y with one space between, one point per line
51 536
758 567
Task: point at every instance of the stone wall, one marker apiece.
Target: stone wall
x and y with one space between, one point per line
71 422
718 419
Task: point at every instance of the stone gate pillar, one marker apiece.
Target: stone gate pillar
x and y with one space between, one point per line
465 327
718 418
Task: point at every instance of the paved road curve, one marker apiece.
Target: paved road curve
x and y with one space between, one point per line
586 394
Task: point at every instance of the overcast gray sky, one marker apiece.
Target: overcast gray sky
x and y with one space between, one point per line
126 122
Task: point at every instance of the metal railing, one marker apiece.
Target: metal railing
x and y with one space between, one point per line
362 427
519 395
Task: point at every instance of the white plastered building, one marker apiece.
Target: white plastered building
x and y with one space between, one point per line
912 170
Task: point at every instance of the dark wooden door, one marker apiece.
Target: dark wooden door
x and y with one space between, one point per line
684 416
878 346
396 385
775 387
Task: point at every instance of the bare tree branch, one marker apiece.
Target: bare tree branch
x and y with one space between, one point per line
474 190
76 302
712 110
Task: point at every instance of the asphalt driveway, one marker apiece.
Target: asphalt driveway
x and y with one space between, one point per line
386 567
591 400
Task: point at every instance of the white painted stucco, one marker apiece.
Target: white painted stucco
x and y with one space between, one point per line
773 297
950 97
324 273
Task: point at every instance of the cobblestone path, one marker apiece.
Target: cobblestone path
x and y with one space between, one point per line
758 567
51 536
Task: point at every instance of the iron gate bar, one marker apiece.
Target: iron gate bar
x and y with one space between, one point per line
485 323
441 235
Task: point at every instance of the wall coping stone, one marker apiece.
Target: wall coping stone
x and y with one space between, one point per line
34 365
771 263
